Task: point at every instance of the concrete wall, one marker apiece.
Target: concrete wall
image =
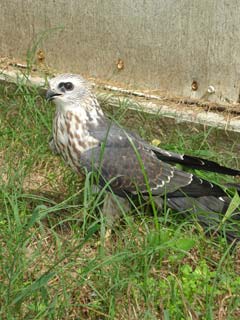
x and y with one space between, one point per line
165 44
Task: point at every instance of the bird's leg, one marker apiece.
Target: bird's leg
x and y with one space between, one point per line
158 201
113 208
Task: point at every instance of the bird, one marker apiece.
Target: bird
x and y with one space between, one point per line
128 166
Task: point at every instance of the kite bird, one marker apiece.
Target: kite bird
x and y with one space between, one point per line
128 165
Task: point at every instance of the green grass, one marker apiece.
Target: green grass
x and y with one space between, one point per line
55 259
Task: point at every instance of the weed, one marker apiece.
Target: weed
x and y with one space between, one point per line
56 261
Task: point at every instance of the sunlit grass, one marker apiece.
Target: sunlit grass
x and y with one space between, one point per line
56 261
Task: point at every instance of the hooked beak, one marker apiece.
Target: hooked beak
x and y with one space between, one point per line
50 95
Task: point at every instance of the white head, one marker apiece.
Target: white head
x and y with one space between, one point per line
69 91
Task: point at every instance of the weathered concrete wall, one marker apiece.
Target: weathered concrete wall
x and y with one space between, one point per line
165 44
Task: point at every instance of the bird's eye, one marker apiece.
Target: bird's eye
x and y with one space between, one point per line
61 84
68 86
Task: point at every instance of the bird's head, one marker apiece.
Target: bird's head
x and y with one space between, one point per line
68 90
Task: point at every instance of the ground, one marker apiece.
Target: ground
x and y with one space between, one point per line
57 263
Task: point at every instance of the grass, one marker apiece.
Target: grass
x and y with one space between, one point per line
55 259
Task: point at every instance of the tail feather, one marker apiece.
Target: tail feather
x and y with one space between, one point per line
234 185
209 212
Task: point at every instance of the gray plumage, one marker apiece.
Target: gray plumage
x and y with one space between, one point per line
85 138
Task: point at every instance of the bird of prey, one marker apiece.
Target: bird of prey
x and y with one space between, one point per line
128 165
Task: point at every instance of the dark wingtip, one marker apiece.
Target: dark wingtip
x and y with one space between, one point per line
197 163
